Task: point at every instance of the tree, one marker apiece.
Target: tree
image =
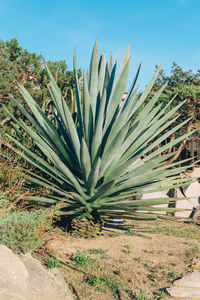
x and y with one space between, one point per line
20 65
182 86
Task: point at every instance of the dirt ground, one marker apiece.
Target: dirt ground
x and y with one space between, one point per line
131 264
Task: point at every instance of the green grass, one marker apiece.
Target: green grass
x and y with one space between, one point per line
127 249
96 251
180 231
81 259
173 275
53 262
148 264
106 281
192 251
142 296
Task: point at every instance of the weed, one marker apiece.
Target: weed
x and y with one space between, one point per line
192 251
157 276
138 259
53 262
101 289
148 264
81 259
142 296
99 267
155 270
174 275
171 254
95 280
105 281
96 251
127 249
161 293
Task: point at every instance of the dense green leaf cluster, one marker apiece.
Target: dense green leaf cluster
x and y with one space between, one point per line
20 65
102 161
21 230
183 85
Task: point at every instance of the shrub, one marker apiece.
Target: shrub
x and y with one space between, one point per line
21 230
104 158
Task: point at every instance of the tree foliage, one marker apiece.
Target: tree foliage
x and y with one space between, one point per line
20 65
183 85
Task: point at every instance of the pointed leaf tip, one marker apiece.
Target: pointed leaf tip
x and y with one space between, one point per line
43 59
95 49
74 60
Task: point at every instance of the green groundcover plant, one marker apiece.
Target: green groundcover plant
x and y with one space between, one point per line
21 230
98 163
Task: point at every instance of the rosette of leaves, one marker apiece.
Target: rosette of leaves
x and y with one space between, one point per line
98 163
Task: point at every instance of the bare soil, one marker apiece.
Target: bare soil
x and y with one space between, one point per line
133 264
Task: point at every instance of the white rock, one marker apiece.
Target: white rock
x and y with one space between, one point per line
191 280
157 195
13 275
186 205
182 292
192 194
24 278
193 190
195 172
183 204
187 287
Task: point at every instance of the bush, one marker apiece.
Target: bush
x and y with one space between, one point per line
21 230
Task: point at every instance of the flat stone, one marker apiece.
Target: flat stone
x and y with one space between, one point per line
189 281
183 292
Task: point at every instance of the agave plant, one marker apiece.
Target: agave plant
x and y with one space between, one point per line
98 164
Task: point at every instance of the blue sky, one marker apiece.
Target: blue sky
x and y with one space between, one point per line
157 30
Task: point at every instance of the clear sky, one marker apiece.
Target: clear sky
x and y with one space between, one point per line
157 30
